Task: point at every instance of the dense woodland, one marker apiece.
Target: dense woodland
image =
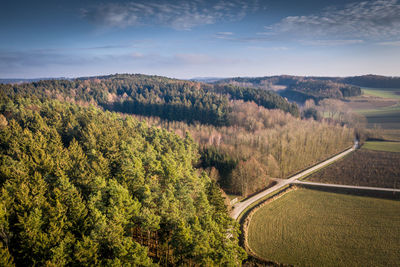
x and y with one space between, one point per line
300 88
319 89
268 82
127 169
266 99
266 143
373 81
152 96
242 126
80 186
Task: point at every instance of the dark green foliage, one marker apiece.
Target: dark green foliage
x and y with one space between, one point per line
80 186
319 89
262 81
267 99
152 96
212 157
300 88
374 81
311 113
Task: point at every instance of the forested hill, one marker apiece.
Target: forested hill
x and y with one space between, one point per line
166 98
83 187
373 81
370 80
319 89
299 88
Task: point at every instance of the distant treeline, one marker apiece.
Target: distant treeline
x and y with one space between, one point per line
23 80
267 99
370 80
319 89
154 96
299 88
374 81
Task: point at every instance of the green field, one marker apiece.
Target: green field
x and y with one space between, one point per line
313 228
382 146
386 117
380 106
382 92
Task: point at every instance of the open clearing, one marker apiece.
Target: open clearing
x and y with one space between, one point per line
382 146
314 228
364 168
382 92
380 106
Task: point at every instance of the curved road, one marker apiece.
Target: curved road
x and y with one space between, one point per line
239 207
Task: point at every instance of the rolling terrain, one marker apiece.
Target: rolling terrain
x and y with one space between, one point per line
381 108
146 156
320 227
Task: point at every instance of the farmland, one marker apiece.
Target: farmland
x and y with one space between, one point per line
382 146
382 92
381 107
365 168
313 228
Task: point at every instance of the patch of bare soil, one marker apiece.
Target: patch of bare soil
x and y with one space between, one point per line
363 168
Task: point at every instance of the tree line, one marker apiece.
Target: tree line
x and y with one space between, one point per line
261 144
153 96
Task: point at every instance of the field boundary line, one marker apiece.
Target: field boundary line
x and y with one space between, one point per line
357 187
242 206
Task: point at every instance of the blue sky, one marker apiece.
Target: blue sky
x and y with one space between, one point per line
200 38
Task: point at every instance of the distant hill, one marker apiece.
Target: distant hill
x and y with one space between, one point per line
370 80
22 80
151 95
319 89
206 79
301 88
374 81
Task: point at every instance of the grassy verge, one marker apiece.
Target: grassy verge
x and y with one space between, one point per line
313 228
246 211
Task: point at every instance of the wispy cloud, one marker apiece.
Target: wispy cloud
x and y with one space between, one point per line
18 59
183 59
230 36
181 15
224 35
269 48
367 20
331 42
392 43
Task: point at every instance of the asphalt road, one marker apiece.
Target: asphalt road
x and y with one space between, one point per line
239 207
